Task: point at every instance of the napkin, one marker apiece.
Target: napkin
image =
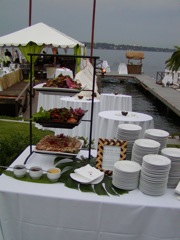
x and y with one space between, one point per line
177 189
89 172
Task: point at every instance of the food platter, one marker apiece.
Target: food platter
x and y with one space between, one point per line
56 90
59 117
55 124
69 154
56 153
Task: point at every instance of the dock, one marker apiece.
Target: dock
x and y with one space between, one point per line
169 96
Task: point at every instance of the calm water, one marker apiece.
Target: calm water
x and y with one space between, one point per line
152 63
144 104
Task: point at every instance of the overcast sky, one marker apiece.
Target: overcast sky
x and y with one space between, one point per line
152 23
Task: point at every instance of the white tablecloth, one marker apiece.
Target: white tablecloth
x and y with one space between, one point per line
48 101
83 129
108 122
53 72
108 128
9 79
52 211
64 72
110 101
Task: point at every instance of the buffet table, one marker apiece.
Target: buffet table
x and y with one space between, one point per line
48 101
108 122
83 129
110 101
52 211
53 72
9 79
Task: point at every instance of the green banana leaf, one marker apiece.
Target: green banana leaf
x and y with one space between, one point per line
104 188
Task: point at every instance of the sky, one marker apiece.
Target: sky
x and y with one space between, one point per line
151 23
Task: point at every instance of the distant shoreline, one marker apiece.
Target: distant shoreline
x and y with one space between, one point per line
127 47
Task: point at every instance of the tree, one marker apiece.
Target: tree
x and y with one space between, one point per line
173 63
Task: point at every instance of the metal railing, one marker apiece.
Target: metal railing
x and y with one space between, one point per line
159 77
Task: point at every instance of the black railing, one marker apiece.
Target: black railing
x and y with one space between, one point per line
159 77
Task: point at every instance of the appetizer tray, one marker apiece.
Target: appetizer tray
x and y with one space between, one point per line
59 153
56 90
54 124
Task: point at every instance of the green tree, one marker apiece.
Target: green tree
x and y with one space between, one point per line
173 63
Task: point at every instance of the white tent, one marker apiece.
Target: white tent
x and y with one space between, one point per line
34 38
41 34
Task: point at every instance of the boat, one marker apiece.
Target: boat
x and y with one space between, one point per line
122 68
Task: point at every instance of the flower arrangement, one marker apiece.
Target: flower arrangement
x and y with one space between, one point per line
5 60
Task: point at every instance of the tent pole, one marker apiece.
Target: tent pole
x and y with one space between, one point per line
92 34
30 11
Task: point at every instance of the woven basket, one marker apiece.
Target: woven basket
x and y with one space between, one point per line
134 69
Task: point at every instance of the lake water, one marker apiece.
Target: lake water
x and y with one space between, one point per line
144 104
153 62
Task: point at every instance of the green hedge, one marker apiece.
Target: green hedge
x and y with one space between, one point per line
14 138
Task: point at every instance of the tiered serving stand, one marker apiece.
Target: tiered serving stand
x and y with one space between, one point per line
67 92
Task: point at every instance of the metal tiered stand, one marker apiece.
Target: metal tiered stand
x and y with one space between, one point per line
93 60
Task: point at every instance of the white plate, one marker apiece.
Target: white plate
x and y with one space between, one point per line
84 180
177 189
157 133
171 152
127 166
156 160
129 127
40 88
55 153
59 153
146 143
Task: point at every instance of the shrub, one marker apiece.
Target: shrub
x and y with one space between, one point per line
12 146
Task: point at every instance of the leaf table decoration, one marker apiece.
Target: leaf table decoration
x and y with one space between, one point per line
104 188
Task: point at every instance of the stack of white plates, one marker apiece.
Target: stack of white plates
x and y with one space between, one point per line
158 135
174 175
154 174
144 147
128 132
126 175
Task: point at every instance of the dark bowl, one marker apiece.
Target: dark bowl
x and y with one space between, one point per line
80 97
124 113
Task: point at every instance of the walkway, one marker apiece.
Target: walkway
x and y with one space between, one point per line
167 95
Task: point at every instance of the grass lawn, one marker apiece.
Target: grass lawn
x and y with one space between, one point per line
15 137
7 128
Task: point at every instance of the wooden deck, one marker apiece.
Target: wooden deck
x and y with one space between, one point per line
167 95
14 99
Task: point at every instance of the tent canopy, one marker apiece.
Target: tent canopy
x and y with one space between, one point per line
135 55
41 34
34 38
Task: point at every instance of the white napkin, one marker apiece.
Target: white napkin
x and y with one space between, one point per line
89 172
177 189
